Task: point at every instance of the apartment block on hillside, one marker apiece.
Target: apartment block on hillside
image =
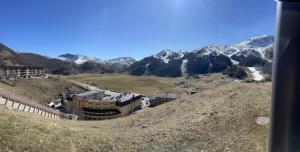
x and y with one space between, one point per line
7 72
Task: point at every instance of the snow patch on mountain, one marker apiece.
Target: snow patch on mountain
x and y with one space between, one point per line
78 59
63 59
256 74
234 62
81 59
166 56
184 67
127 61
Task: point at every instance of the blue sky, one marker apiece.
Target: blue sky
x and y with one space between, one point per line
136 28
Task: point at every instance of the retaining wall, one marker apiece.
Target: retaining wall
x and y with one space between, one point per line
14 101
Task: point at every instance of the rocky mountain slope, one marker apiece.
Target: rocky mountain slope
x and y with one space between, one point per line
254 52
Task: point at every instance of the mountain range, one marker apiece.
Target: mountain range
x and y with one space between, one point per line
80 59
253 52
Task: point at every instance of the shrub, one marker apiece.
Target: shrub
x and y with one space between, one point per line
219 63
267 68
236 72
252 60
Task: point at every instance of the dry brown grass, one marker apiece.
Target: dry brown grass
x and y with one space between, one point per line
41 90
219 118
124 83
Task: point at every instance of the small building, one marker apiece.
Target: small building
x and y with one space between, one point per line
7 72
145 102
162 98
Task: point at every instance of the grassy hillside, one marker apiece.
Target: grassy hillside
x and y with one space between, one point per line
41 90
51 65
9 57
219 118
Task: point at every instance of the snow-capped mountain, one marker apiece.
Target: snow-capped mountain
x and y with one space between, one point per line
255 51
78 59
167 55
126 61
255 46
256 42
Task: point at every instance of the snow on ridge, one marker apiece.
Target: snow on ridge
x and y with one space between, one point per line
226 50
62 58
81 60
258 42
256 74
183 67
168 55
122 61
256 45
234 62
78 59
181 54
164 55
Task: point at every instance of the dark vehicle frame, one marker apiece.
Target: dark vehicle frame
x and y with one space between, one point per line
285 123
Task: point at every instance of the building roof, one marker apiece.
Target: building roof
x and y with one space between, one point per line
89 93
128 96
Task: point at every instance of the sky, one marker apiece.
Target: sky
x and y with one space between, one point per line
137 28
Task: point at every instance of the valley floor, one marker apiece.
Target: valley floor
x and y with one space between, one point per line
145 85
221 117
